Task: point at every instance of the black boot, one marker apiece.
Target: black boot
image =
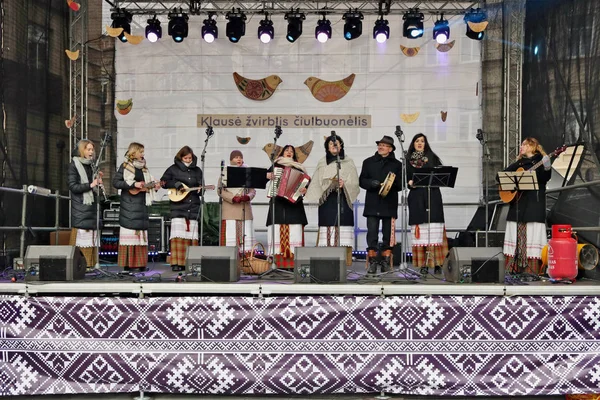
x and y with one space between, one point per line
372 260
437 270
386 261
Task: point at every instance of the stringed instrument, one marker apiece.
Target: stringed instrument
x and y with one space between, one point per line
508 196
178 195
147 185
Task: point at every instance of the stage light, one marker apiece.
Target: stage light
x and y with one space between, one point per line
121 18
210 32
236 27
178 25
353 25
475 16
441 30
381 30
265 30
323 30
413 24
153 30
294 28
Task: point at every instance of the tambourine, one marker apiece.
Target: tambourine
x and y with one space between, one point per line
386 186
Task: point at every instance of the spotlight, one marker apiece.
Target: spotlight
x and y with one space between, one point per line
441 30
210 32
475 16
121 18
413 24
381 30
236 27
178 25
153 30
265 30
353 25
294 29
323 30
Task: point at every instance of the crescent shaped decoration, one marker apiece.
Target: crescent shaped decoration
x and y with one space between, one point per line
73 55
259 89
477 26
444 47
410 118
329 91
133 39
124 106
70 122
410 51
444 115
113 32
302 152
73 5
243 140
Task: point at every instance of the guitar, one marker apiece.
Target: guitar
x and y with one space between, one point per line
178 195
508 196
147 185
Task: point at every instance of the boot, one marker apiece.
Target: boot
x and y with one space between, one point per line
372 259
386 261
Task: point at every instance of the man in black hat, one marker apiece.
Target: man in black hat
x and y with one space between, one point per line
379 208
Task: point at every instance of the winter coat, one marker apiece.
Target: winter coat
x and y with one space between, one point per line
418 197
83 216
191 176
530 205
376 168
133 213
236 211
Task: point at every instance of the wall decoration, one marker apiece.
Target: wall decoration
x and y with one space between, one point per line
444 47
132 39
73 5
124 106
260 89
477 26
327 91
69 122
243 140
302 152
73 55
113 32
409 51
444 115
410 118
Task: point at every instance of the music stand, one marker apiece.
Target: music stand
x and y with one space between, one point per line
442 176
518 180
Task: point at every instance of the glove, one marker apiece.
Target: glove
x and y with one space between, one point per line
245 198
178 185
237 199
375 184
547 163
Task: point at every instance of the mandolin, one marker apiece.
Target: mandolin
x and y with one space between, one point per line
178 195
147 185
507 196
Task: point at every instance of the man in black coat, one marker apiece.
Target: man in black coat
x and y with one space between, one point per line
378 209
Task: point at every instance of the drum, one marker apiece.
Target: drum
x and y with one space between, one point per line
386 186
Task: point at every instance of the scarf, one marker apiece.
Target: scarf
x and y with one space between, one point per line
88 197
418 159
331 158
129 168
324 182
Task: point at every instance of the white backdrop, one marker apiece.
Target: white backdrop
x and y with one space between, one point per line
171 83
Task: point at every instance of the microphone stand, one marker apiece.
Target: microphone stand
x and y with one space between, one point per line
220 189
338 163
404 201
209 133
95 174
485 160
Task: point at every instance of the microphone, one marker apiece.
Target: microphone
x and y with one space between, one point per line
335 138
399 134
479 135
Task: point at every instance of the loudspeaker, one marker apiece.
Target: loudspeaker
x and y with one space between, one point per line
320 264
474 264
496 239
54 263
212 263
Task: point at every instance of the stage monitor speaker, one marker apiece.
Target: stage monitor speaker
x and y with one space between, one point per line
474 264
212 263
320 265
496 239
54 263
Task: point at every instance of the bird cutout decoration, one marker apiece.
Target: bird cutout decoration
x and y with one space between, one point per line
73 55
133 39
444 47
73 5
243 140
410 118
302 152
410 51
444 115
70 122
124 106
477 26
260 89
327 91
113 32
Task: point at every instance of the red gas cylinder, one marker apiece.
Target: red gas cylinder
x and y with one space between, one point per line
562 253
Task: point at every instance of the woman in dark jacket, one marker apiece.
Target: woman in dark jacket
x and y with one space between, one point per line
81 181
137 193
428 231
186 212
526 220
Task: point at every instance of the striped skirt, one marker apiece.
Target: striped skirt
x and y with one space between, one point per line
523 243
85 240
438 249
178 247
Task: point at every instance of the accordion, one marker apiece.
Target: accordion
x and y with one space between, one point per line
287 182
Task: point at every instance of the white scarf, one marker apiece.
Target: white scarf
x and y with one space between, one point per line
129 176
323 181
88 197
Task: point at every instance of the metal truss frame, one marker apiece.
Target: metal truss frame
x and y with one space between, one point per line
78 74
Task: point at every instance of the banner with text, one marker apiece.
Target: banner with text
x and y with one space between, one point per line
284 121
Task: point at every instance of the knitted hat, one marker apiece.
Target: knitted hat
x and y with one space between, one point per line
234 154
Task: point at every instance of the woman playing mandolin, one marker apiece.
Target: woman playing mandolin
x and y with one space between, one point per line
526 221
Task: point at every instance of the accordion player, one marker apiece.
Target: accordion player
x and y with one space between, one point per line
287 183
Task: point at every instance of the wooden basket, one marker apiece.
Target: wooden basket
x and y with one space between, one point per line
253 265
